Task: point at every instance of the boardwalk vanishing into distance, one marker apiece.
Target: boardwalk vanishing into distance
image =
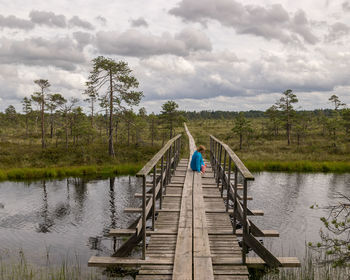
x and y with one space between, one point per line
190 223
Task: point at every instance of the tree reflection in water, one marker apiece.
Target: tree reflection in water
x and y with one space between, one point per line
45 225
113 209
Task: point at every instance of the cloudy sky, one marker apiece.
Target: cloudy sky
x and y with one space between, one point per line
205 55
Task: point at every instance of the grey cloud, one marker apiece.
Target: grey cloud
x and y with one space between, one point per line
101 19
346 6
78 22
271 22
301 26
337 31
139 22
135 43
194 40
54 20
62 52
48 18
194 77
15 22
83 38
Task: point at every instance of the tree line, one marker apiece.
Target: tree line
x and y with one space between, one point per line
111 94
282 116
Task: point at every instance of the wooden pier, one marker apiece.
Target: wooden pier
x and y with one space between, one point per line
188 225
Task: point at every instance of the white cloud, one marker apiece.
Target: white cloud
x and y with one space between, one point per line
223 54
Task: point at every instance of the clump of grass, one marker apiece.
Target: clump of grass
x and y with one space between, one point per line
298 166
74 171
20 269
313 267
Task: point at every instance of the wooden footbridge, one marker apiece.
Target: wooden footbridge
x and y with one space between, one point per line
190 223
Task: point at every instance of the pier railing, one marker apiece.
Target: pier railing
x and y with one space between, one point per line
225 162
166 160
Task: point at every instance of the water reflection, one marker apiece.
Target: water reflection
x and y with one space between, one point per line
45 225
286 198
113 210
73 216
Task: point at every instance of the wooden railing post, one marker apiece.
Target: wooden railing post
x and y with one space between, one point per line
168 163
223 180
211 151
245 224
228 186
235 198
174 156
154 195
161 182
219 167
144 217
214 159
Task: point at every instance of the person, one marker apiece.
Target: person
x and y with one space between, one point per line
197 163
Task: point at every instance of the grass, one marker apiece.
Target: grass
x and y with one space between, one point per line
71 171
20 269
264 152
310 270
298 166
24 159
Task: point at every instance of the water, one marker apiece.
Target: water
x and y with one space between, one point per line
286 198
69 219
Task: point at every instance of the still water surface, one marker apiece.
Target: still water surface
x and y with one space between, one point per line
69 219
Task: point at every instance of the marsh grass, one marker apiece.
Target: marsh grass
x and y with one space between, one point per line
313 267
72 171
20 269
298 166
268 153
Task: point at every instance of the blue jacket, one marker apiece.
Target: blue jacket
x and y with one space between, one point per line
197 161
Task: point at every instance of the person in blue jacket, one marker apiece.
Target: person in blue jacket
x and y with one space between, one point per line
197 163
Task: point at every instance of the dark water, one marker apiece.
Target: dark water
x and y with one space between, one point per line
68 219
286 198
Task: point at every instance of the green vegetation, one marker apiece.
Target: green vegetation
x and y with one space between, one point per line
20 269
71 171
335 237
310 270
281 139
58 133
55 138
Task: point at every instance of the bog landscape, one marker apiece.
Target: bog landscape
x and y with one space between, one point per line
102 118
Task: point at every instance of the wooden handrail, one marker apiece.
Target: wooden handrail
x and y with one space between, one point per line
171 150
241 210
152 162
236 160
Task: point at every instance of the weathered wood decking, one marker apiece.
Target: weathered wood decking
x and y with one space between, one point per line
192 237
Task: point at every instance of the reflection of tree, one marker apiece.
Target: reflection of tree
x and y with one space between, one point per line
80 187
45 225
95 241
113 209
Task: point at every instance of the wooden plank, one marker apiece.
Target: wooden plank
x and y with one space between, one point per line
139 195
139 210
126 232
256 262
183 252
261 251
203 268
239 232
113 261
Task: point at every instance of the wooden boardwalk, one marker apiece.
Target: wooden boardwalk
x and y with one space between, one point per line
192 234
